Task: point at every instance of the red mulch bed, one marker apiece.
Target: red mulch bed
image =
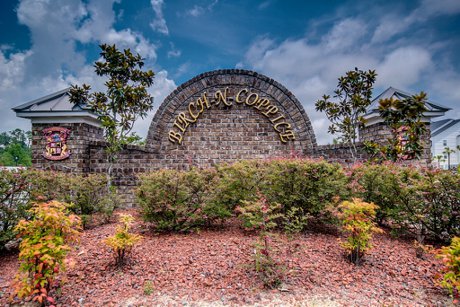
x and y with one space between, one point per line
215 267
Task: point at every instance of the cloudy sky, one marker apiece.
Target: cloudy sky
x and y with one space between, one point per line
45 45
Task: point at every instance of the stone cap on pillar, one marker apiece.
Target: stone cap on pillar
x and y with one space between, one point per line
372 115
56 108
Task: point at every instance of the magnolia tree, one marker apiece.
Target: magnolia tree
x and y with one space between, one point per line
404 118
352 97
124 100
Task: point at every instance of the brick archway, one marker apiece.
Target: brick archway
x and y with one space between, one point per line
244 115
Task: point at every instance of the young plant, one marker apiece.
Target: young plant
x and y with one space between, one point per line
357 218
123 241
450 256
43 249
260 215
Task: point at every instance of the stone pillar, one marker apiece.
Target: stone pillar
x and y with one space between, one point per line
81 134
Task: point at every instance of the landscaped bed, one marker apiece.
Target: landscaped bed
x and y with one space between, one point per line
216 267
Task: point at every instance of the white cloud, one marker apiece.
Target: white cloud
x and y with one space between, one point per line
53 62
394 23
403 67
173 52
198 10
310 69
159 23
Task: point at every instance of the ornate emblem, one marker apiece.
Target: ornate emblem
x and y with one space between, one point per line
56 143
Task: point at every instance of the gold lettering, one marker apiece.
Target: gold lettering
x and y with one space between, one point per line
287 136
190 105
184 119
262 103
271 109
288 126
222 97
203 100
253 102
237 99
176 124
276 119
175 137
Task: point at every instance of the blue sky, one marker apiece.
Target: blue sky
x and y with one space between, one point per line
45 45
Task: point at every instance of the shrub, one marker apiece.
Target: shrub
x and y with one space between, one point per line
43 249
436 205
305 184
258 214
123 241
14 203
423 202
88 194
239 182
450 256
382 184
295 220
357 220
179 200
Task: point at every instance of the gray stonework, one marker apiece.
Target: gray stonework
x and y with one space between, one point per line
220 134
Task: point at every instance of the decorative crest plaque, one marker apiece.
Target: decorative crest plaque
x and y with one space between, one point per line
56 143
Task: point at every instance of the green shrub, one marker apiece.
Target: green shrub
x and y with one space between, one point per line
305 184
423 202
294 183
429 206
258 214
382 184
14 203
87 194
357 219
123 241
239 182
450 256
294 220
179 200
43 249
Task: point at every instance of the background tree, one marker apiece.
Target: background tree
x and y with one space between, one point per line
404 118
125 99
15 148
353 96
448 151
439 159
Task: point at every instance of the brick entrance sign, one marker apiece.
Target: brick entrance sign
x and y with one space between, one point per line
229 115
218 116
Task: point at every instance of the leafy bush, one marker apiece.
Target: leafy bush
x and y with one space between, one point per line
88 194
43 249
450 256
14 203
123 241
295 220
179 200
239 182
382 184
305 184
357 220
258 214
424 202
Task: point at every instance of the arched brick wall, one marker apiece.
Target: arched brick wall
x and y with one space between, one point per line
233 131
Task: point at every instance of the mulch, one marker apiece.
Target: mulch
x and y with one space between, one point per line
216 267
